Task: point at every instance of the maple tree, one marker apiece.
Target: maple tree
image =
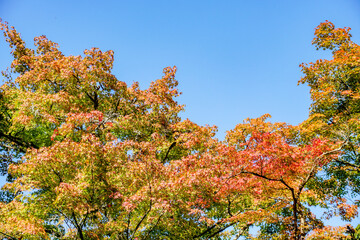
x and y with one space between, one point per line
335 91
90 157
59 106
283 165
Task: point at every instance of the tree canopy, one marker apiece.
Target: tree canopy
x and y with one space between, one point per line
88 156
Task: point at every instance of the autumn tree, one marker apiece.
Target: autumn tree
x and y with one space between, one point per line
335 111
74 124
283 165
95 158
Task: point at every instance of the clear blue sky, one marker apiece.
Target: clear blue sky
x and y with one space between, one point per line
235 59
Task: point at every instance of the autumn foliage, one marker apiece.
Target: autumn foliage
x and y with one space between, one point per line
90 157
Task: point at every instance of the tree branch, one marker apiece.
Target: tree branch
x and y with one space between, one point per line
78 226
220 230
168 151
18 141
9 236
152 228
142 219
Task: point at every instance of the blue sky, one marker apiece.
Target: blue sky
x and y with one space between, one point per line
235 59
